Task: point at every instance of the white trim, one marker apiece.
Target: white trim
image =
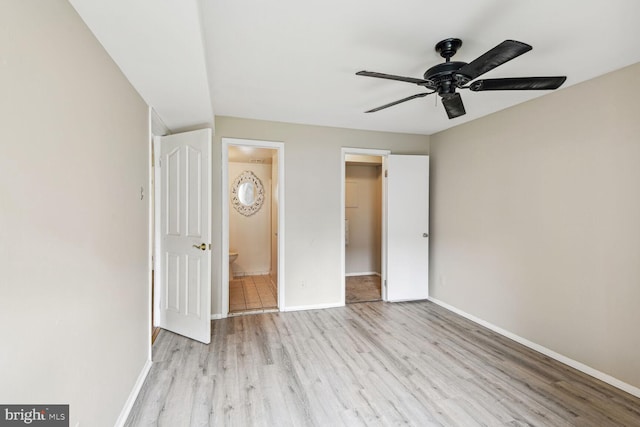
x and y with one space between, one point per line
124 414
383 262
151 235
366 151
544 350
158 128
210 227
217 316
384 237
313 307
224 203
157 232
366 273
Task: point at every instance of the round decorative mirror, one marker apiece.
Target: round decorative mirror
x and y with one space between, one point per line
247 193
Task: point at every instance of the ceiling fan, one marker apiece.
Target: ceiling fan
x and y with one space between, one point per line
445 78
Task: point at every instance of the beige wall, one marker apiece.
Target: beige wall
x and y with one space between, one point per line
74 286
535 221
363 253
312 200
250 236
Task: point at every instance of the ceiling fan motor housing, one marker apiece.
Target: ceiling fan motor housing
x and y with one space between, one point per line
444 77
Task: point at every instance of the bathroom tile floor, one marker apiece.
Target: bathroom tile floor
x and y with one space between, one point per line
251 293
362 289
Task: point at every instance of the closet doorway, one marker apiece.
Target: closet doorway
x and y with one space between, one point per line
252 201
364 193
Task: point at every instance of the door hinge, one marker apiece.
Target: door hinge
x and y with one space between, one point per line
386 173
160 162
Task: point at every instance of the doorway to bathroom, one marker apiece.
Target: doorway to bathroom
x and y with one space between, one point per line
363 225
253 225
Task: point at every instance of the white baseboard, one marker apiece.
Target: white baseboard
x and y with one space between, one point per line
313 307
366 273
547 352
217 316
124 414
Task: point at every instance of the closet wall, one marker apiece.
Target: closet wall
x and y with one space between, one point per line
363 201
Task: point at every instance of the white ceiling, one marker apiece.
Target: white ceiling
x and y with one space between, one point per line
294 61
249 154
158 45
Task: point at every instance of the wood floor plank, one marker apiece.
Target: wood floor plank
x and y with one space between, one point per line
369 364
362 288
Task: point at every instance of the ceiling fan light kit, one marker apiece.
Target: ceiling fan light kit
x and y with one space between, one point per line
445 78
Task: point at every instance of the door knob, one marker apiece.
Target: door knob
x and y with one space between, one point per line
425 234
201 246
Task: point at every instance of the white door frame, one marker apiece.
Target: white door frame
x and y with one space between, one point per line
224 203
156 128
383 243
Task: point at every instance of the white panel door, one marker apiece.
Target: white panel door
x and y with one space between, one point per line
184 264
407 228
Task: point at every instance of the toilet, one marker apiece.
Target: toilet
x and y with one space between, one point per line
232 257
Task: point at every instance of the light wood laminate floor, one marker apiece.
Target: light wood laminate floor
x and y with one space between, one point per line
373 364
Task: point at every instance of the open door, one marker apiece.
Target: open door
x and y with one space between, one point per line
183 231
407 227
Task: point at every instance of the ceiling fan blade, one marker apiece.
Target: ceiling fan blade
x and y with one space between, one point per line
453 105
391 104
392 77
519 83
505 51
